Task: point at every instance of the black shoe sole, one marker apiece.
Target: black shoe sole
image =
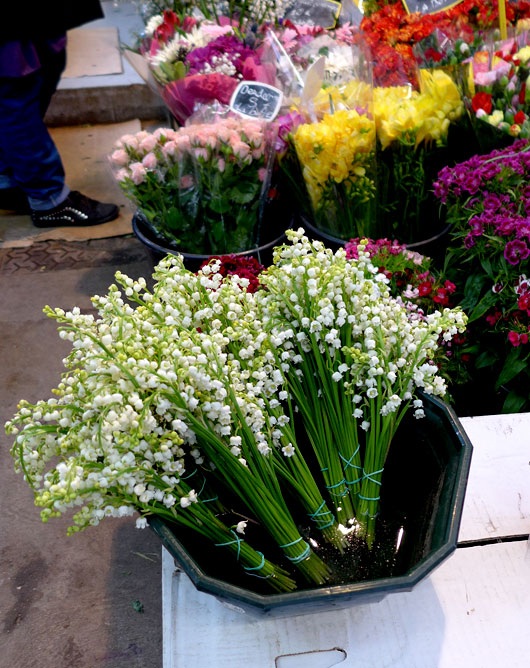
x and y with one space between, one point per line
87 223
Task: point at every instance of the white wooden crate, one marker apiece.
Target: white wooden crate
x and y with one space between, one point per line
473 611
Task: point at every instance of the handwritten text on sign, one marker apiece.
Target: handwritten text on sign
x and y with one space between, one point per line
429 6
256 100
323 13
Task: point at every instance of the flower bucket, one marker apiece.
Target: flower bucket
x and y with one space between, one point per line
421 510
159 247
433 247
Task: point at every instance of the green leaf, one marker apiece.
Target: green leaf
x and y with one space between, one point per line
486 265
472 290
485 359
244 192
512 367
219 204
484 305
513 403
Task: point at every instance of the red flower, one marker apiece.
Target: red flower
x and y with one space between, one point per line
425 289
519 118
481 101
514 338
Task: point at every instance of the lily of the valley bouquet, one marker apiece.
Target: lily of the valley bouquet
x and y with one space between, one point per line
412 131
182 402
200 187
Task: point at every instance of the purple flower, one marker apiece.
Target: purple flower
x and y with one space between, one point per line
477 227
216 51
523 229
515 251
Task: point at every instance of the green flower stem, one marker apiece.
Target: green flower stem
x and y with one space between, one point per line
267 508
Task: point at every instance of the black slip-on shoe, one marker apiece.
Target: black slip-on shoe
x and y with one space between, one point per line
77 210
13 200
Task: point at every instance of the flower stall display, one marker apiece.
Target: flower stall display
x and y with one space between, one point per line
392 32
201 187
488 205
182 402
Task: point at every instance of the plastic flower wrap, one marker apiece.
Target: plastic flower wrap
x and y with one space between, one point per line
201 187
488 204
337 156
412 127
336 146
199 61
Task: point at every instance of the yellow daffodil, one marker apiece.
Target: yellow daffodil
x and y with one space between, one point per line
333 151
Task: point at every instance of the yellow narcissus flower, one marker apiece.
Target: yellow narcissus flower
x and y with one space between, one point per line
406 115
353 95
333 150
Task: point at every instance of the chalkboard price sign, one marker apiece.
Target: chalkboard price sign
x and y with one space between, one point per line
256 100
323 13
429 6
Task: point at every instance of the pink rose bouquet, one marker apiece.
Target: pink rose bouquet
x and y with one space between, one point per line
201 186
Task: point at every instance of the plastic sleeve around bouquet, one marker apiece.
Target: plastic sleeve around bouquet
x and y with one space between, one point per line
336 151
496 93
233 158
184 95
412 130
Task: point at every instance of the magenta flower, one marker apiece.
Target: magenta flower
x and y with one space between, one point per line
515 251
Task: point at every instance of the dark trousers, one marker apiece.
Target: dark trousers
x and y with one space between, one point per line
28 157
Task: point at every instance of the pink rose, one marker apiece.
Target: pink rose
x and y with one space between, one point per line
240 149
200 153
130 141
186 181
121 174
262 173
150 161
148 144
119 157
221 164
169 149
138 173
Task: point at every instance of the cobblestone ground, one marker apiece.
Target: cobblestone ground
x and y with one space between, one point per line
92 600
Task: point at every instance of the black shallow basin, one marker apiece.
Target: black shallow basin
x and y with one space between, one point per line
422 500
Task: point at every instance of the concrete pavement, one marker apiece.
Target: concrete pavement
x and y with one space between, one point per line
66 602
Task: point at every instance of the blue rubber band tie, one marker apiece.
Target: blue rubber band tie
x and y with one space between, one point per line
377 482
214 498
348 464
185 477
291 544
340 494
326 469
314 516
300 557
238 540
256 568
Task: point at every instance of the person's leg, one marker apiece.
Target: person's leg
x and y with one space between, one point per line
27 151
29 159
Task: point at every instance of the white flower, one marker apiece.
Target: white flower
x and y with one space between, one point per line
288 450
141 523
241 526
